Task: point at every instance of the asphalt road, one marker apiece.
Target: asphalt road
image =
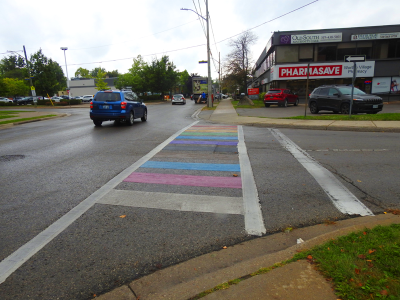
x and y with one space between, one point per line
48 168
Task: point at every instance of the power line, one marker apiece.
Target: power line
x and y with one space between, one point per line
201 21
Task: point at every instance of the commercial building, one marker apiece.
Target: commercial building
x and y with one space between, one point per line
285 59
87 86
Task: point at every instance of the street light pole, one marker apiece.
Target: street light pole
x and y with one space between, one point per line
66 68
209 100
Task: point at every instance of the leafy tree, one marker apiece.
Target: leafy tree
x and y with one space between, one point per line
94 72
184 79
48 76
100 83
82 73
238 63
13 67
135 78
161 75
12 87
113 73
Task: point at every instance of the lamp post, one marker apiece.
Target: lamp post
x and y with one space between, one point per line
209 99
66 68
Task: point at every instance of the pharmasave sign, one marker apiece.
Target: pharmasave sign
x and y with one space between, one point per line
319 71
310 38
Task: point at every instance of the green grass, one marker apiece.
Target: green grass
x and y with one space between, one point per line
362 265
257 104
363 117
23 119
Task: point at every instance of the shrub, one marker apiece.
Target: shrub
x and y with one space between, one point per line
261 96
7 104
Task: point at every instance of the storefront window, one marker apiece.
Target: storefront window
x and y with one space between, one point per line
327 52
306 53
364 48
287 54
345 49
393 49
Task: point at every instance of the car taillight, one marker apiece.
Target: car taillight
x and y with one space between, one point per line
91 104
123 105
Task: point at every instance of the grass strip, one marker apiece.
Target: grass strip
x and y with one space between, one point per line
25 119
361 265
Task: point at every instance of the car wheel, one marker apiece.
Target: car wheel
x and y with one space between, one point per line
144 118
131 119
314 108
97 123
296 102
285 103
345 109
266 105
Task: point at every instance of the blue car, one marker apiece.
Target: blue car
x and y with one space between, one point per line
118 106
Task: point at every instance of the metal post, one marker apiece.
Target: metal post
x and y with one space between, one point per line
352 87
306 102
66 69
209 100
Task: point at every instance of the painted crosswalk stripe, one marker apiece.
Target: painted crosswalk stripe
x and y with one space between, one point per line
191 166
206 143
189 137
186 180
340 196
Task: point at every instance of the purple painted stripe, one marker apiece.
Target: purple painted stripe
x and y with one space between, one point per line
188 180
205 143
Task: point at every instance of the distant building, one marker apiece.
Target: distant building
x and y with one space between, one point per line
283 63
87 86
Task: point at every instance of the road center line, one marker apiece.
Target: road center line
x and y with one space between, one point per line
253 218
20 256
341 197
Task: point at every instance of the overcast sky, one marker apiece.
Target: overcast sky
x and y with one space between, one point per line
109 34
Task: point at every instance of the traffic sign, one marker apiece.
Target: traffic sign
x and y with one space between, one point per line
202 62
32 88
354 58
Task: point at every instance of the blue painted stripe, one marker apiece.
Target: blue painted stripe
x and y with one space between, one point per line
191 166
190 137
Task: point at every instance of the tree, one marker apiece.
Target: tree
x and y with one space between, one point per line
185 82
13 67
161 75
238 63
48 76
135 78
94 72
82 73
100 83
12 87
112 74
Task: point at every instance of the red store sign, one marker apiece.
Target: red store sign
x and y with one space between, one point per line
323 70
331 70
255 91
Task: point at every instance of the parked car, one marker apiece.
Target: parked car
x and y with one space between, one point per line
117 106
178 98
15 100
56 99
87 98
336 98
78 97
3 99
25 101
280 97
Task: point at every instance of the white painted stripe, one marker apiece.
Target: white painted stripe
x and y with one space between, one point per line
341 197
254 223
20 256
179 202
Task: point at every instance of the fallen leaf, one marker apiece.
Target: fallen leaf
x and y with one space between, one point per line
384 292
329 248
371 251
370 265
224 247
360 284
342 250
309 257
123 216
364 233
359 180
394 211
362 256
369 260
235 175
357 271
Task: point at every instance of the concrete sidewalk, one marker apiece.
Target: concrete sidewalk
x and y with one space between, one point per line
226 114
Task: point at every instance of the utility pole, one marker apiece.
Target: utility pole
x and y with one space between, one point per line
33 93
219 71
209 100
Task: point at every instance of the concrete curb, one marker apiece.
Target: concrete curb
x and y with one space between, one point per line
202 273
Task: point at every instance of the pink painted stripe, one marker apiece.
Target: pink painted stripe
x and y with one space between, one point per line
188 180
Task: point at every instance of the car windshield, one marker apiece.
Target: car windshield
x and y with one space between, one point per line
274 91
108 97
347 91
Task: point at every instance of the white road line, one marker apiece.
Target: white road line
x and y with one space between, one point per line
254 222
179 202
20 256
341 197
